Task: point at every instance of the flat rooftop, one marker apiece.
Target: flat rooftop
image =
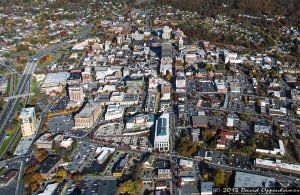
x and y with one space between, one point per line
49 163
243 179
23 146
27 112
56 77
88 110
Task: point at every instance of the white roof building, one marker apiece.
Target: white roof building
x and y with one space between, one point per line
49 189
162 133
243 179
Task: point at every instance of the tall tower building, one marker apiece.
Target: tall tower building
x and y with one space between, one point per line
166 33
28 121
120 39
76 93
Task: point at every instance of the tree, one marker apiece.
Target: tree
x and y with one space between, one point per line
187 147
36 177
76 177
42 155
61 173
205 175
130 187
33 187
168 77
219 178
207 134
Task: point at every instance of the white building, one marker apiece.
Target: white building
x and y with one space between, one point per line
28 121
66 143
54 80
166 33
277 165
206 188
221 86
114 112
162 133
104 152
140 121
76 93
49 189
280 150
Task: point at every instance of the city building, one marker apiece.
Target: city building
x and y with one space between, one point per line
44 141
50 189
49 165
104 153
55 81
120 166
3 84
114 112
162 139
76 93
28 121
275 151
166 64
88 115
199 121
243 179
140 121
207 188
165 92
166 33
277 165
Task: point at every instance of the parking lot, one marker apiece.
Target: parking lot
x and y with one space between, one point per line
82 156
205 87
109 129
240 161
60 104
219 158
98 186
60 123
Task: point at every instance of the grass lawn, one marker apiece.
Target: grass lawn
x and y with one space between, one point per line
6 142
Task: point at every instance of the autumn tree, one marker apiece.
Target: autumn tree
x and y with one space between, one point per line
205 175
187 147
207 134
219 178
130 187
76 177
62 173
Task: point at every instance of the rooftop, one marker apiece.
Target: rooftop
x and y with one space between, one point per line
27 112
88 110
243 179
49 163
56 77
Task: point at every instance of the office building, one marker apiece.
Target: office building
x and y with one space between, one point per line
162 139
28 121
76 93
243 179
88 115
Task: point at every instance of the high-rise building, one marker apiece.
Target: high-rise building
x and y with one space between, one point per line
28 121
162 133
120 39
166 33
76 93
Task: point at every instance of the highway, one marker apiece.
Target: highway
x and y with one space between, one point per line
9 111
